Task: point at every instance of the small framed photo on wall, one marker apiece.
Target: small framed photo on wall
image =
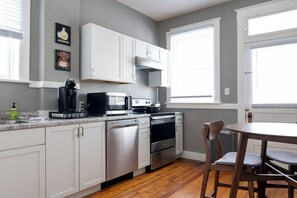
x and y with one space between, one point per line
62 60
63 34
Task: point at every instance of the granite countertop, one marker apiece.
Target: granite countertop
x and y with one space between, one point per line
57 122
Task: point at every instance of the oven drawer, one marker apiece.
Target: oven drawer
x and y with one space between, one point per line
144 123
160 145
162 158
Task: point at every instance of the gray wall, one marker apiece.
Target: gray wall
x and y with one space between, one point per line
44 14
194 118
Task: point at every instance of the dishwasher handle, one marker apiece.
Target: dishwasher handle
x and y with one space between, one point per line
121 123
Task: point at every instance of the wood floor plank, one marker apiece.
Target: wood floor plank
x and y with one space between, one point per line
182 179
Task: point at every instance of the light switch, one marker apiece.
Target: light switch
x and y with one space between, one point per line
227 91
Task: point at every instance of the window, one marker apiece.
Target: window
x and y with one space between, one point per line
272 59
14 39
272 23
274 74
195 62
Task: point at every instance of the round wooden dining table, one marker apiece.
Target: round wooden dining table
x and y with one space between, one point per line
277 132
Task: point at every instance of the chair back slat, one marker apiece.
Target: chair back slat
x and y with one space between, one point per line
211 131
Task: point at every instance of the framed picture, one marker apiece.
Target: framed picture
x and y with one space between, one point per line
63 34
62 60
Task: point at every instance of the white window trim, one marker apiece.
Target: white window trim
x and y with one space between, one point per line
216 24
23 70
24 67
242 15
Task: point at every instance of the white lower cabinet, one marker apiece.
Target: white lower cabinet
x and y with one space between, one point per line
75 158
144 142
22 163
92 154
179 133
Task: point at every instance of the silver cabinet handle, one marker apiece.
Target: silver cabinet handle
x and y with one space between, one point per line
77 134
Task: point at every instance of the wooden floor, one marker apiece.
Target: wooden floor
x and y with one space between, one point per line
181 179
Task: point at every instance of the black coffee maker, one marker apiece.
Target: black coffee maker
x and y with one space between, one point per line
67 97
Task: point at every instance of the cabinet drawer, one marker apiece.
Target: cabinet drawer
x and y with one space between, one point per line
21 138
144 122
179 119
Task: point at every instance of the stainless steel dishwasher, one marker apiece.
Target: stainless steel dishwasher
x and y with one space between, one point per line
121 147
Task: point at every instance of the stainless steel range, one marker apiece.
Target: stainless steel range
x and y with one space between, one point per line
162 138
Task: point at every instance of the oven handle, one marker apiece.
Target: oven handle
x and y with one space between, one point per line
162 117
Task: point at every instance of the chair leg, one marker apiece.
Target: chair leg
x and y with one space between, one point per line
204 181
216 183
290 192
251 189
251 186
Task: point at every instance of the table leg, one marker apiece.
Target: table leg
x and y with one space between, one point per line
239 164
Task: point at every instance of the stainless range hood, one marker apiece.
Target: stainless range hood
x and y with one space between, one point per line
147 64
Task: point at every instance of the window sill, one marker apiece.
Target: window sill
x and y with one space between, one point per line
210 105
15 81
49 84
40 84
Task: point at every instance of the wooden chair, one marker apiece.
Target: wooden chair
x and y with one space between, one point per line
211 132
286 158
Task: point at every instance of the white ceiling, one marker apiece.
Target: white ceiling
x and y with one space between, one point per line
165 9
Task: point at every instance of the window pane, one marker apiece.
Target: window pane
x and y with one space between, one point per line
272 23
193 64
11 15
275 74
9 58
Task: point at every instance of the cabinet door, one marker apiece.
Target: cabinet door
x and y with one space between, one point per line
179 138
164 57
179 134
92 154
128 63
154 52
105 54
62 160
144 148
22 172
142 49
158 79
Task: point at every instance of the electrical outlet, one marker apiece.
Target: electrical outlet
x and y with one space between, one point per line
227 91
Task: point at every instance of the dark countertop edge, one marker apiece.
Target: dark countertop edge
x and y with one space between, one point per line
58 122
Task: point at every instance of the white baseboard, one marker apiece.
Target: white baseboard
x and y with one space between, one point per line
86 192
194 156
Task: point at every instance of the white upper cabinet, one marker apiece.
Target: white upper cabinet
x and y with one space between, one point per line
128 59
161 78
106 55
157 55
147 50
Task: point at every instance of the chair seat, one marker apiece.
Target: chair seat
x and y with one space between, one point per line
250 159
282 156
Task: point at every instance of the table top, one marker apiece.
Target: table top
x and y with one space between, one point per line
266 129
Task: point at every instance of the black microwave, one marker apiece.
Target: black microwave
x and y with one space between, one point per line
108 103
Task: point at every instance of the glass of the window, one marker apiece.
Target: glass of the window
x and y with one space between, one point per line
272 23
275 74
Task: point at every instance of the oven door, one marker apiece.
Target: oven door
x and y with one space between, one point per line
162 132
